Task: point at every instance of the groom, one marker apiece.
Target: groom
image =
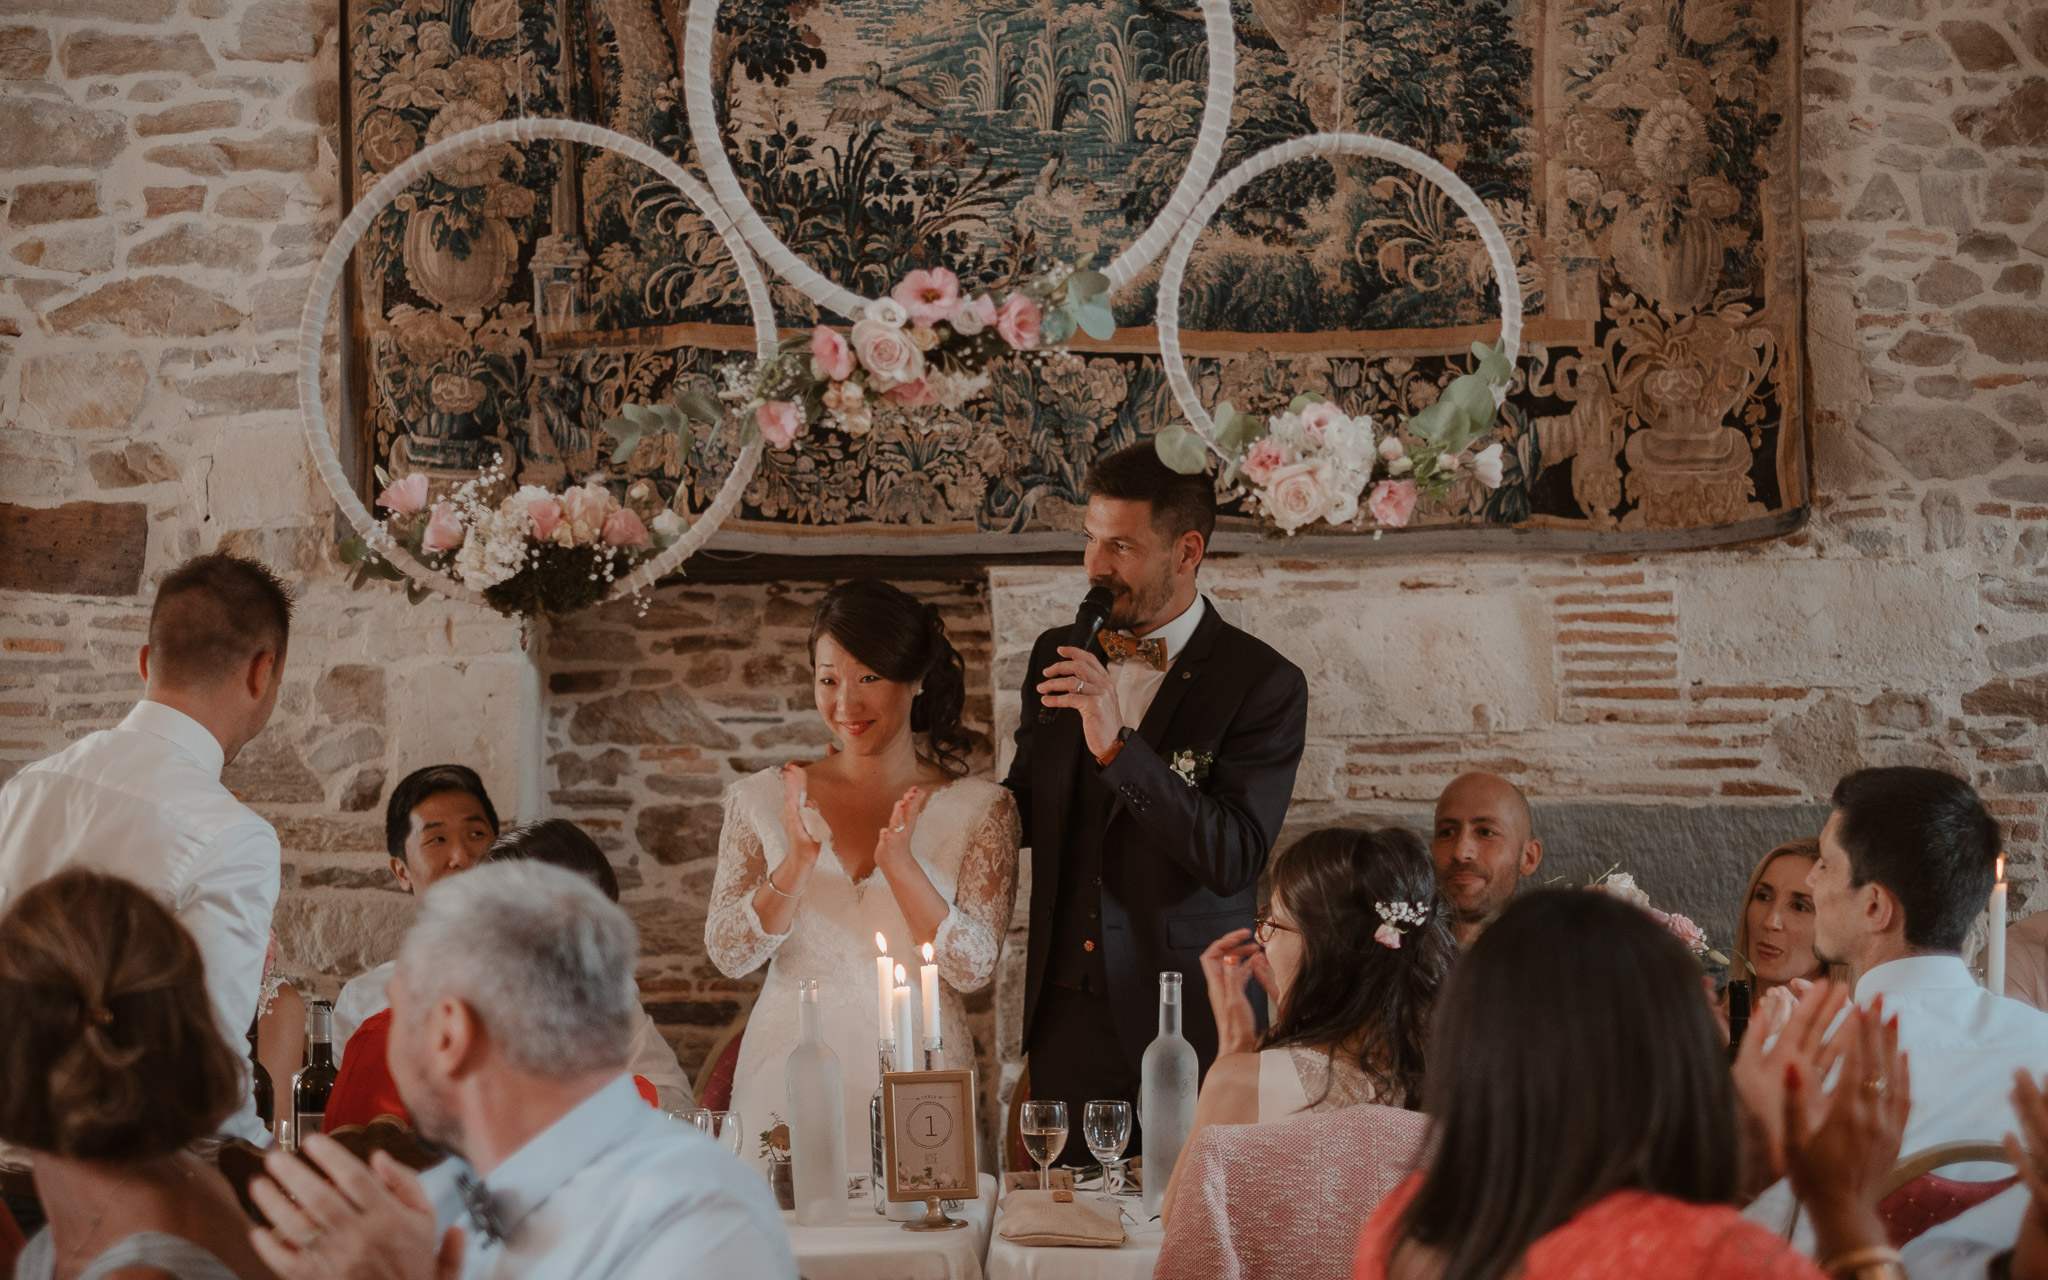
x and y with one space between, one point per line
1135 866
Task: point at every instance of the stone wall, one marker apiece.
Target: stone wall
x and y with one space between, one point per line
168 179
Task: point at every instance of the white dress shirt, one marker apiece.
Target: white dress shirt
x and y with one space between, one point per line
1138 681
144 801
362 998
1963 1045
615 1190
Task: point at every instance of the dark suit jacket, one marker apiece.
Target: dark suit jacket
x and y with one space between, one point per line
1180 863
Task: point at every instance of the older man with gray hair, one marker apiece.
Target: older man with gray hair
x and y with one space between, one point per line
513 1009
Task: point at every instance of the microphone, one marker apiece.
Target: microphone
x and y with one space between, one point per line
1089 620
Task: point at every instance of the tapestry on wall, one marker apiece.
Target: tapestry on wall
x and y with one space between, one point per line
1639 153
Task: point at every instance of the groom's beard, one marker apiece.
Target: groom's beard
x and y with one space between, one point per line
1136 604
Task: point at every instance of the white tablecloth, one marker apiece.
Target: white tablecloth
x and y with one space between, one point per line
868 1247
1133 1261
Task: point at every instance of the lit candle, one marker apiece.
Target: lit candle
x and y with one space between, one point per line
885 974
1994 966
928 978
899 1006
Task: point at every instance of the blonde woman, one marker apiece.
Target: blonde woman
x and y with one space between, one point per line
1774 930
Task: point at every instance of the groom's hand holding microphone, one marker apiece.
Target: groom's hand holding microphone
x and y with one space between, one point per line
1080 682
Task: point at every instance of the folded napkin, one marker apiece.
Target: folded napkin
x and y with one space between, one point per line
1042 1219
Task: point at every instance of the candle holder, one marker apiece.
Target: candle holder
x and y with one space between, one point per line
885 1062
935 1053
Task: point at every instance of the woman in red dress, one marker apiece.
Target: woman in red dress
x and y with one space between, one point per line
1584 1125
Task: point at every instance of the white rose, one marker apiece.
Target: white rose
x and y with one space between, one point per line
1486 465
1447 463
966 321
887 311
1401 466
887 353
1623 885
1343 495
1391 450
668 526
1295 497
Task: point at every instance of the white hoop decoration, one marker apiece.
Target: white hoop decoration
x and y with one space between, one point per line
1323 144
313 320
1126 267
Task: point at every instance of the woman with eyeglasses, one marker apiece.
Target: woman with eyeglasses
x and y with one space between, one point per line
1350 950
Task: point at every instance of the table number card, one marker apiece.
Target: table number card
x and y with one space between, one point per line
928 1127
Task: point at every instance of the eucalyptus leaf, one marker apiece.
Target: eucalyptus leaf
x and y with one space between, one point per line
1057 327
750 430
1303 401
1239 432
696 406
1494 365
1095 318
1437 422
1086 283
1181 449
352 550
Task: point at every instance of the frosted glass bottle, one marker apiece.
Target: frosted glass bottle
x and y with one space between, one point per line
1167 1079
817 1117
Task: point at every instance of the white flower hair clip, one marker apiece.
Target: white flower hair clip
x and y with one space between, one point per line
1396 918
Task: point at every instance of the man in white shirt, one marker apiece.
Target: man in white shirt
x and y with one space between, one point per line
144 800
512 1009
439 821
1906 864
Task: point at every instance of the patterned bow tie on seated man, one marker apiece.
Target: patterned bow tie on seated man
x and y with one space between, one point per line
1119 647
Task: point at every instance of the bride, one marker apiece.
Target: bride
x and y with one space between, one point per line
817 858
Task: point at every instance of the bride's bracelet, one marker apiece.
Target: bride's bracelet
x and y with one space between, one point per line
778 889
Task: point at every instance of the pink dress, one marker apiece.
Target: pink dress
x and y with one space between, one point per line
1624 1236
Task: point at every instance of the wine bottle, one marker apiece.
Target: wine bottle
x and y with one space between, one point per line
314 1081
1167 1077
817 1117
261 1091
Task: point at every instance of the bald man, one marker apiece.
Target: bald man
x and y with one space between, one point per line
1484 843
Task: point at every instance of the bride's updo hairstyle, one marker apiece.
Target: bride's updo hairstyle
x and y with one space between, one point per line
902 640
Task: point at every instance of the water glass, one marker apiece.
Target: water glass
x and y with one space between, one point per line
1106 1127
1043 1126
723 1126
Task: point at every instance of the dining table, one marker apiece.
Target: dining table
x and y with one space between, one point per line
1133 1260
868 1246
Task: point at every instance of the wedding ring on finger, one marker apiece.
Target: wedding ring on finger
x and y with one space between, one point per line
1080 685
1875 1086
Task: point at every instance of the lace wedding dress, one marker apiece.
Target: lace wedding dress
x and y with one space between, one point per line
966 841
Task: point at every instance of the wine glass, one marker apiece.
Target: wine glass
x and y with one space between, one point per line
723 1126
1106 1126
1043 1126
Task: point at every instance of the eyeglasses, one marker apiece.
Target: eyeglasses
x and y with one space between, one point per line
1264 925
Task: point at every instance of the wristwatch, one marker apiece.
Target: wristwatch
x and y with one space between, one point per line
1109 753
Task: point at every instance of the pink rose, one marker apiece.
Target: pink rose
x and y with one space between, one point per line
1264 458
585 507
912 395
1018 321
887 353
780 422
444 529
623 529
1387 936
1319 417
546 514
1392 502
406 496
1683 929
929 296
831 354
1295 497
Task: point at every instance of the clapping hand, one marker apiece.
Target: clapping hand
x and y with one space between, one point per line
1227 963
795 800
2030 1251
1839 1166
1760 1076
371 1222
892 846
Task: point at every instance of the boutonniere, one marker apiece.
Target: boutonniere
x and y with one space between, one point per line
1192 766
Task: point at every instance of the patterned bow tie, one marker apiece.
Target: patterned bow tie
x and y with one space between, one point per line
483 1209
1121 648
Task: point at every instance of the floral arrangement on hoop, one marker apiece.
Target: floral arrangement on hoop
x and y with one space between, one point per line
533 551
1315 462
1620 884
927 344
